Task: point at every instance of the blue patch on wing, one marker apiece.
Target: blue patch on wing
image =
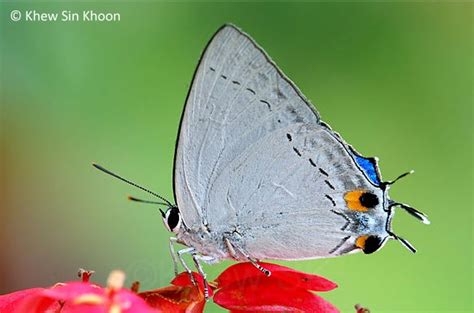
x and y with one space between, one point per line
369 168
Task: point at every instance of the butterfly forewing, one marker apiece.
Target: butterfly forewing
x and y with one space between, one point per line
237 97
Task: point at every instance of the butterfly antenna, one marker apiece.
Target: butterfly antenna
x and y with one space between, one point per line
404 242
391 182
97 166
151 202
146 201
412 211
163 214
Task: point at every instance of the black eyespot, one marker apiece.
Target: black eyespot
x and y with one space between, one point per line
372 244
369 200
173 218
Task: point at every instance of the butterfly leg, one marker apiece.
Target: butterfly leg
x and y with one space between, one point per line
230 248
233 247
173 240
196 258
180 257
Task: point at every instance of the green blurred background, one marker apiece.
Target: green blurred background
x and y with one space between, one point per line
395 79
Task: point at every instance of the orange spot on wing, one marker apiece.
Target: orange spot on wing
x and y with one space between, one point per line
353 200
360 242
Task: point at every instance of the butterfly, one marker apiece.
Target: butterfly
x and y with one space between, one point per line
258 174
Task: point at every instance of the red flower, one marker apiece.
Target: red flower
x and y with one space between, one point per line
243 288
76 297
10 303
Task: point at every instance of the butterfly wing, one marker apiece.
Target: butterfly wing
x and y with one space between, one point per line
253 159
286 198
237 96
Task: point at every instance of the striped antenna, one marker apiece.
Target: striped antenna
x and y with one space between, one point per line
97 166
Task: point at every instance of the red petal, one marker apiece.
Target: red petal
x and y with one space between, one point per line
12 302
244 271
132 303
183 279
39 304
48 300
266 297
82 308
86 297
175 299
72 290
137 304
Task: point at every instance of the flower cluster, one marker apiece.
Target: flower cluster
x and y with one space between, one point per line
76 297
240 288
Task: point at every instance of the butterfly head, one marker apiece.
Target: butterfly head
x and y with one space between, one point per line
172 219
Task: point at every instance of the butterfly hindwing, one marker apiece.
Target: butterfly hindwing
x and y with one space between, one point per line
281 193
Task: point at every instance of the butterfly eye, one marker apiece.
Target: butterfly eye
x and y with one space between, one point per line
369 244
172 219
